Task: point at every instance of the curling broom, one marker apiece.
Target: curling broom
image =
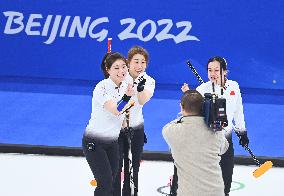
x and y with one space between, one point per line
262 167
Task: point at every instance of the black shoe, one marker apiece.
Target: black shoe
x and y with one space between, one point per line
226 194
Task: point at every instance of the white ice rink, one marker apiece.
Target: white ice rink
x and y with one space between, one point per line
38 175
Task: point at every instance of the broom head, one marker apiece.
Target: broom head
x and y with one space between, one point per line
262 169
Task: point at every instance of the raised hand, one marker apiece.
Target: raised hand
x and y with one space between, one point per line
184 87
129 91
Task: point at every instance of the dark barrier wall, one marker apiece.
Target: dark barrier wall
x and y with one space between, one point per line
67 39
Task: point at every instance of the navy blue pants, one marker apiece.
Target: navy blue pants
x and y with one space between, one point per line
103 159
227 165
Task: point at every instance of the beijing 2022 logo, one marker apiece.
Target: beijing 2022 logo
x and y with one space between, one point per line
54 26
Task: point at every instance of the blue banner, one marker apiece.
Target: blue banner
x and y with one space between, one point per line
67 39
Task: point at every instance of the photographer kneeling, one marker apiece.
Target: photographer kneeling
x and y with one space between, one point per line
196 149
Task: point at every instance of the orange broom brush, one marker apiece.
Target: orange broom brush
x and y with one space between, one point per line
93 182
262 169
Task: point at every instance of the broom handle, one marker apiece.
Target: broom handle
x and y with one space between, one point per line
252 155
248 149
109 42
195 72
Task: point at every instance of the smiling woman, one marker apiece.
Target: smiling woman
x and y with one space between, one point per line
229 90
100 140
143 86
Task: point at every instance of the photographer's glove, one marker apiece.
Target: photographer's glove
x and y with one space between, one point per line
140 85
244 140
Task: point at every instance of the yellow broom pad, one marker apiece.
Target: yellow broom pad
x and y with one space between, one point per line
93 182
262 169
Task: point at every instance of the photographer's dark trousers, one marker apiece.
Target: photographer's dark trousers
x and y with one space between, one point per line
137 143
227 165
103 159
174 185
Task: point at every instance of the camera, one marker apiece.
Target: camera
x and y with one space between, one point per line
214 110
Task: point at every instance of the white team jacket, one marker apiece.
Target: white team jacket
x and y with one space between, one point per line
103 124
